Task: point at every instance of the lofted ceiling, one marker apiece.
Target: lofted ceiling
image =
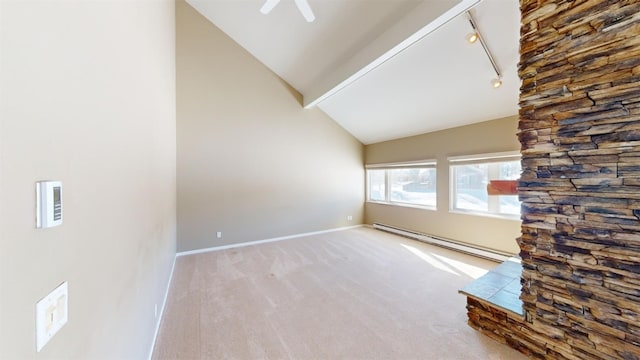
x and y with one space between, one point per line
440 81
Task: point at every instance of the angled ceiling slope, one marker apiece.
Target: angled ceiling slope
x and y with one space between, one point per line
438 82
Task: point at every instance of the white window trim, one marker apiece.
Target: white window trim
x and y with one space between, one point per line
485 214
489 157
431 163
497 157
406 164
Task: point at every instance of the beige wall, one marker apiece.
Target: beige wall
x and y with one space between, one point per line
252 163
88 98
488 137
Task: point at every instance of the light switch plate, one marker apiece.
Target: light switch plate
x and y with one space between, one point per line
51 315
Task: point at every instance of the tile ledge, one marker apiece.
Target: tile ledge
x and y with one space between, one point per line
499 289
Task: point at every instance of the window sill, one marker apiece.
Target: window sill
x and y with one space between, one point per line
486 214
420 207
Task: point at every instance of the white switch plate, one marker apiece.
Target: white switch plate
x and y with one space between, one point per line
219 234
51 315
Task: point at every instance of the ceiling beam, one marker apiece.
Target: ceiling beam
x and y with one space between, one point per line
404 33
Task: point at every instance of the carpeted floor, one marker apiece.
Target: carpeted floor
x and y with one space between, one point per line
353 294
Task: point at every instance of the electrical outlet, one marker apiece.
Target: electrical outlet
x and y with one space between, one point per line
219 235
51 315
350 218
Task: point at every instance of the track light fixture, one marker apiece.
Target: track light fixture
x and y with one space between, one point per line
472 37
477 36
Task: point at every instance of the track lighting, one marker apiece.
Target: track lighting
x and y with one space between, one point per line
477 36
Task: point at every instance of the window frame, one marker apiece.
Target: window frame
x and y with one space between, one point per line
493 200
421 164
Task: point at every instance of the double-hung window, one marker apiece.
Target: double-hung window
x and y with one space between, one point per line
408 184
470 176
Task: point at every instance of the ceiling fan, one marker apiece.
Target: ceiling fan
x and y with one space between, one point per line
303 6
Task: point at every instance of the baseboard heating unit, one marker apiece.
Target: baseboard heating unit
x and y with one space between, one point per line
446 243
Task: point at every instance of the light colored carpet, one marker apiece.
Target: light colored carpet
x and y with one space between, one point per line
353 294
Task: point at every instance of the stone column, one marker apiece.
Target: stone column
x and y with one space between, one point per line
580 188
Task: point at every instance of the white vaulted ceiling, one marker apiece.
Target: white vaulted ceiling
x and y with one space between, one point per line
439 82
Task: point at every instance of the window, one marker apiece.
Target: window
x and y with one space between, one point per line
470 177
411 184
377 185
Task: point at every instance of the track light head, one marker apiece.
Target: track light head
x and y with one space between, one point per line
496 83
472 37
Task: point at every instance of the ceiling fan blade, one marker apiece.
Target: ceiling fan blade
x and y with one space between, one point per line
305 9
268 6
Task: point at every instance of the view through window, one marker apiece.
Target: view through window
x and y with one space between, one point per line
403 184
469 179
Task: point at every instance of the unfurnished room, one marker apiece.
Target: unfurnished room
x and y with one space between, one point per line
319 179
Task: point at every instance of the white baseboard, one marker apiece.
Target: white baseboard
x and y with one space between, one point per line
164 304
249 243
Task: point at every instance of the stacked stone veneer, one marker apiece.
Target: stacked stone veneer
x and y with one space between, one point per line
580 188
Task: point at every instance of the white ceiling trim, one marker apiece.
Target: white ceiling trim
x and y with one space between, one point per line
378 52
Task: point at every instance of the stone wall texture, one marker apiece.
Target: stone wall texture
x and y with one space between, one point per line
580 188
